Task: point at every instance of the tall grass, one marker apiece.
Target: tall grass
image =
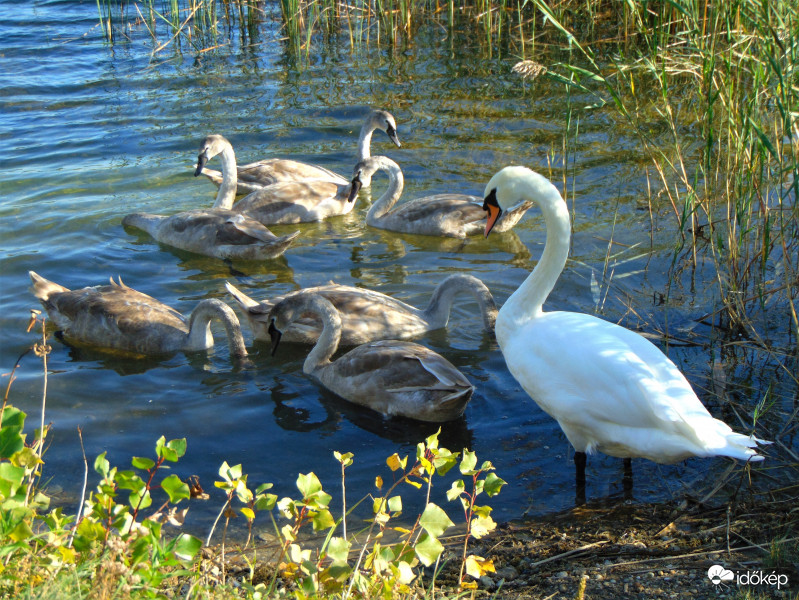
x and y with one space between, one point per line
720 78
195 24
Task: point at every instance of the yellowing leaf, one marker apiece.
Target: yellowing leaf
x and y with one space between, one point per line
469 585
394 462
477 566
378 482
482 526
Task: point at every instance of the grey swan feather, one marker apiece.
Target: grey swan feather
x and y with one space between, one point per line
219 231
282 202
256 175
367 315
448 215
120 318
392 377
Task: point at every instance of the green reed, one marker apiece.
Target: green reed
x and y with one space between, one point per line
196 23
725 92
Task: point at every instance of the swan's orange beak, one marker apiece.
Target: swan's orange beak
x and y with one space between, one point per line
491 206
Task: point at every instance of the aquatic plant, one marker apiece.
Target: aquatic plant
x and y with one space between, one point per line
117 542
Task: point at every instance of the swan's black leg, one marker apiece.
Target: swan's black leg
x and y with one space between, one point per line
627 480
579 464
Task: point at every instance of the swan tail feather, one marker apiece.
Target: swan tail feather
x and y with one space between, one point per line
43 288
243 299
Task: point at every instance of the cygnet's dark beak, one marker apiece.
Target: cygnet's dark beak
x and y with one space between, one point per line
202 160
274 335
355 187
392 135
491 206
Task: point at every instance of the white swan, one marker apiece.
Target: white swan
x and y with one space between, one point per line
120 318
214 232
450 215
390 377
609 388
367 315
254 176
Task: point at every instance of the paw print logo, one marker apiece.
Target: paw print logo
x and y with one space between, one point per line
718 574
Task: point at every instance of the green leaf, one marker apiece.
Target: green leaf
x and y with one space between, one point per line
338 550
140 500
434 520
177 446
457 488
428 549
143 463
128 480
187 546
444 461
176 489
21 532
344 459
468 462
11 478
11 438
265 502
493 484
308 484
395 504
263 487
101 465
323 520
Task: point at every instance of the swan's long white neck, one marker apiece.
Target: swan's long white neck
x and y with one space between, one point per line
526 303
396 182
365 140
437 312
200 336
328 341
227 189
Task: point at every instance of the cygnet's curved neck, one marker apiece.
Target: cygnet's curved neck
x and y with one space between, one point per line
437 312
227 189
527 301
200 336
144 221
327 344
365 139
396 182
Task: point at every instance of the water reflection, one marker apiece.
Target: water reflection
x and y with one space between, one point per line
101 132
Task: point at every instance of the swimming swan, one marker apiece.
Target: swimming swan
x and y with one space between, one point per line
254 176
367 315
120 318
609 388
450 215
390 377
220 233
297 202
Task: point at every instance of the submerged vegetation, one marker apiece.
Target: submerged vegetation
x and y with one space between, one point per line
710 89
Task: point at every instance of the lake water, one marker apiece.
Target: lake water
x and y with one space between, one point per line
91 132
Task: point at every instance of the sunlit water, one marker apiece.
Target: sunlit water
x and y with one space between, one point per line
92 132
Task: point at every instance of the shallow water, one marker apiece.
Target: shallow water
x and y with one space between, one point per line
92 132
